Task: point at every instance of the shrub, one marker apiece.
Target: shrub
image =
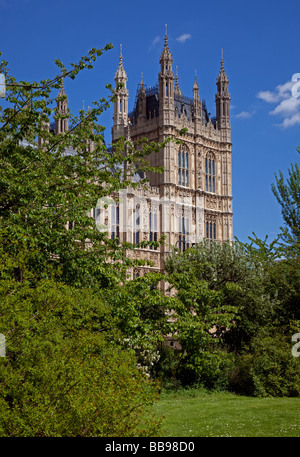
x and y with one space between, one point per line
63 375
268 369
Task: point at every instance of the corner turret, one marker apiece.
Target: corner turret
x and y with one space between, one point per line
120 117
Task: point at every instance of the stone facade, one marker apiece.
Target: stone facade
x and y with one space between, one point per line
192 199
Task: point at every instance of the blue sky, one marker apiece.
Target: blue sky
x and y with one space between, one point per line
260 40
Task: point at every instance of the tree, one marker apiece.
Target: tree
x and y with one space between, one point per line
281 276
288 196
141 312
43 188
65 372
208 280
266 367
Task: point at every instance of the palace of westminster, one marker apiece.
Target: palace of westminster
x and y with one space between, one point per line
191 199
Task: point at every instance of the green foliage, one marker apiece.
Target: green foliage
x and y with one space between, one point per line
267 367
288 196
228 287
67 371
209 368
281 274
236 306
209 282
83 342
285 277
44 186
62 374
140 310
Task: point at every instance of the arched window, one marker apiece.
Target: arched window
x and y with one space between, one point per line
211 233
115 221
183 233
153 232
210 174
136 227
183 168
96 214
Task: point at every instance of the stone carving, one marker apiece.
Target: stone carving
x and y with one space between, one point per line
206 137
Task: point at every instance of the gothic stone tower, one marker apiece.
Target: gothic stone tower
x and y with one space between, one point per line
61 121
192 199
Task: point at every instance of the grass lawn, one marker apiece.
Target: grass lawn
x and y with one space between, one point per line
197 413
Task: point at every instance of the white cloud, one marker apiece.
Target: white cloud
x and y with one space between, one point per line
268 96
156 40
244 115
291 121
182 38
288 105
282 91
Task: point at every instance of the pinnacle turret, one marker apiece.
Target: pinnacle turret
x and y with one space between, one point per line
121 104
222 74
177 88
197 107
61 120
166 77
166 58
62 89
223 98
195 86
120 76
142 86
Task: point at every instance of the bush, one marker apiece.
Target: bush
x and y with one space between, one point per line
63 375
208 369
268 368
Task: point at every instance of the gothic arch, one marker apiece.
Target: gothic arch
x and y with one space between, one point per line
210 172
183 166
211 155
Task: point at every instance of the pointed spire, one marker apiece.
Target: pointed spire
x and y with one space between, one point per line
142 96
177 88
197 108
62 93
222 69
222 99
121 57
62 89
120 75
142 82
61 122
195 87
120 117
141 103
222 74
166 81
166 36
166 54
